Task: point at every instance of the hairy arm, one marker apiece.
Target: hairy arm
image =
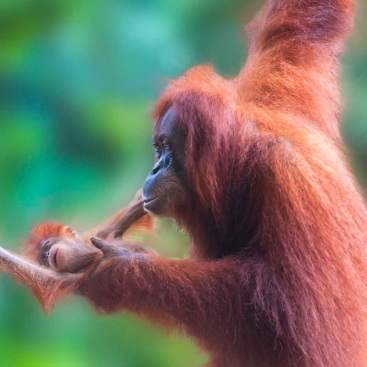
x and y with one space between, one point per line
131 218
45 284
292 65
194 294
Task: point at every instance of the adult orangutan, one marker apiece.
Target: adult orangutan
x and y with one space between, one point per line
253 169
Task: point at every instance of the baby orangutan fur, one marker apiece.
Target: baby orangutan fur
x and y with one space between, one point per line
63 250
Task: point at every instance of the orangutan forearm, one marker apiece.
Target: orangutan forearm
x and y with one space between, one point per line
192 292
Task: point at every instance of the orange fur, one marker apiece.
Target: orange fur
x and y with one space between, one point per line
50 229
278 268
278 226
37 234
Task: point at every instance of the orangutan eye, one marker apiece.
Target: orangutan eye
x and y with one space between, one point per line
167 147
157 148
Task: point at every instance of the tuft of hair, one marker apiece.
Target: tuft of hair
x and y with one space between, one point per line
38 233
145 224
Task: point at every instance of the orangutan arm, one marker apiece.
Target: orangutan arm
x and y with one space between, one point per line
292 65
191 292
131 218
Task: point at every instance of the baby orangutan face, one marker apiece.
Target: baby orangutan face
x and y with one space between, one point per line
67 254
62 249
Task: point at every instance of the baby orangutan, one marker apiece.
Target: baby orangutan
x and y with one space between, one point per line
62 249
59 260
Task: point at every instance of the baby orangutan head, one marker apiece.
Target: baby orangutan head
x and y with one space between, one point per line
60 248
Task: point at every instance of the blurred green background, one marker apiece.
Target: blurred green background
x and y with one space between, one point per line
78 80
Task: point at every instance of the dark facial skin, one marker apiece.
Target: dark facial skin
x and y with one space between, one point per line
166 189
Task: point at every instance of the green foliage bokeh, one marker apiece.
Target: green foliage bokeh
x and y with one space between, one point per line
78 80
